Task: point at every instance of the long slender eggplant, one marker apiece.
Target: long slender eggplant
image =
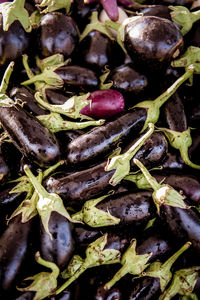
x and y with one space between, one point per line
119 209
104 139
31 138
60 247
80 186
145 288
13 248
23 95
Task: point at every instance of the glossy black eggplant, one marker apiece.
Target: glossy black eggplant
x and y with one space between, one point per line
129 208
13 42
173 161
145 288
80 186
30 137
113 294
4 167
184 224
154 150
152 42
13 248
128 81
57 34
161 11
98 51
84 235
174 114
60 247
77 77
188 184
55 97
24 96
104 139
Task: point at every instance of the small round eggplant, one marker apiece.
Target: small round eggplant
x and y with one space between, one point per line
57 34
60 247
152 42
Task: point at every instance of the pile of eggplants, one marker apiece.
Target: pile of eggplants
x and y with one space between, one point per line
99 150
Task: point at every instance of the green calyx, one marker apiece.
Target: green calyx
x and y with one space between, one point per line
28 207
55 123
15 11
163 193
47 202
53 5
132 263
153 106
181 141
183 283
162 270
95 24
190 57
139 179
93 216
44 283
121 162
4 99
183 17
71 108
35 18
96 255
102 78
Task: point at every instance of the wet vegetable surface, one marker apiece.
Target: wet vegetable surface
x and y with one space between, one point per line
99 150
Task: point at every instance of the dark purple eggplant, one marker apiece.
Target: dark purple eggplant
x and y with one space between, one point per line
113 294
13 248
175 114
55 97
60 247
24 96
124 209
104 139
85 235
57 34
161 11
76 76
14 42
184 224
154 150
173 161
30 137
152 42
145 288
128 81
80 186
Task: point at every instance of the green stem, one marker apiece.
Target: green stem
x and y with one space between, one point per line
195 16
73 278
151 180
37 185
121 273
29 72
47 264
168 264
159 101
6 78
185 157
48 171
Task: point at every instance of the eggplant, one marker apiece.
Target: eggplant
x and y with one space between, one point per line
159 10
80 186
184 224
152 42
57 34
14 42
13 250
153 152
77 77
128 81
175 114
23 95
145 288
173 161
30 137
56 97
119 209
60 247
103 139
